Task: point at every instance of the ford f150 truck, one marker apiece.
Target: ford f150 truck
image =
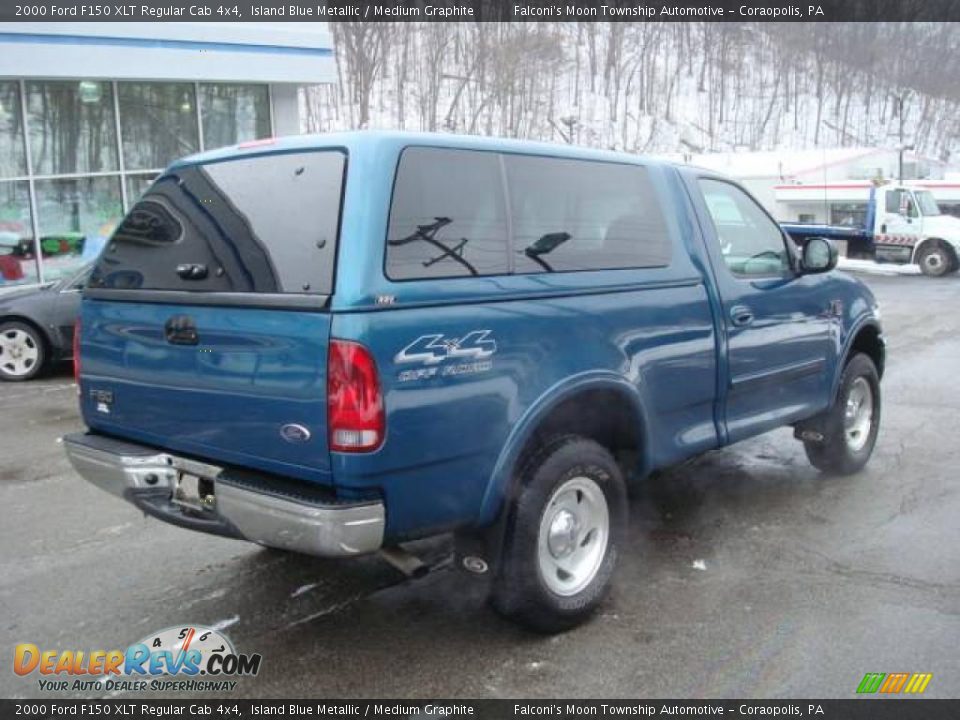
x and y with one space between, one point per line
903 225
335 344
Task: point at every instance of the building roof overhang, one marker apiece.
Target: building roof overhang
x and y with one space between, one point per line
294 53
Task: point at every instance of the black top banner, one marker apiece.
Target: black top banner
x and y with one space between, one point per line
482 10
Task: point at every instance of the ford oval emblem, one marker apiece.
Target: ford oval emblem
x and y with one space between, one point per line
294 433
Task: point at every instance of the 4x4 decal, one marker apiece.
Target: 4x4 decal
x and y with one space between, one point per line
434 349
430 351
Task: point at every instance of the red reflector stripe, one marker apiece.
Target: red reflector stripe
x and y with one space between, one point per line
257 143
76 354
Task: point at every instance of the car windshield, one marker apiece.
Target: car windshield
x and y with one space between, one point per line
75 280
928 205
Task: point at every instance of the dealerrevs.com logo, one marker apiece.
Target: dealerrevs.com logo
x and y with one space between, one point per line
188 658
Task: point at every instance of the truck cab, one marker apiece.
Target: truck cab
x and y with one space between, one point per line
909 228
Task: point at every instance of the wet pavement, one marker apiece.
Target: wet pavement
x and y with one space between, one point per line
747 574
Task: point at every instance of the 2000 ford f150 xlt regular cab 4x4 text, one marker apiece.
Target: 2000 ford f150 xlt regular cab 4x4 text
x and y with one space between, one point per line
335 344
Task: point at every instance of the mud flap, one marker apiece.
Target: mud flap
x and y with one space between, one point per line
477 551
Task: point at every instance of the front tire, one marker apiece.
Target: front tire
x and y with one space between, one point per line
563 536
850 426
935 260
23 352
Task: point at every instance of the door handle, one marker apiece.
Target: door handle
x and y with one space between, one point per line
181 330
192 271
741 315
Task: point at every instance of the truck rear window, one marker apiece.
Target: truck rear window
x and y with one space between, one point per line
265 224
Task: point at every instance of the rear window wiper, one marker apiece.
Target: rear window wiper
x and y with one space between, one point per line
427 233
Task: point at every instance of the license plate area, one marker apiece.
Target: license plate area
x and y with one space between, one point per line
195 493
194 485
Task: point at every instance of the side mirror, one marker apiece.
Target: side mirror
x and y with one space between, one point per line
819 256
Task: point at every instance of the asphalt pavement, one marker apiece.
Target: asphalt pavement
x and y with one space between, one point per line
746 574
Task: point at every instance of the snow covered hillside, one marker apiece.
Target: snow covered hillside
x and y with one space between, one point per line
651 87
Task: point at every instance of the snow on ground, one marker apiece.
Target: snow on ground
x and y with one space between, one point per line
874 268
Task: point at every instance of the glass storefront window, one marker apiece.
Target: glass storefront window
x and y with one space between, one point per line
72 127
137 185
72 130
13 156
76 216
234 113
17 263
158 123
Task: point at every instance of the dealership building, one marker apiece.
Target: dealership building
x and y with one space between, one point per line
90 113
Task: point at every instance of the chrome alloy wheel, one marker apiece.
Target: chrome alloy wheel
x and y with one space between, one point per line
574 532
858 414
18 352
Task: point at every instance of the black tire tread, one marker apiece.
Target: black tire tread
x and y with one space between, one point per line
946 268
518 592
832 455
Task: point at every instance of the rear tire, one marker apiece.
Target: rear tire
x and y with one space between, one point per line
850 426
935 260
23 352
563 536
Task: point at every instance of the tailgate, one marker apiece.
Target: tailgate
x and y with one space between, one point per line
244 394
204 329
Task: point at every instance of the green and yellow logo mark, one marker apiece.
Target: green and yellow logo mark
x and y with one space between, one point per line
893 683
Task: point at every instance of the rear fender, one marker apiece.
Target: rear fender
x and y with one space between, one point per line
502 480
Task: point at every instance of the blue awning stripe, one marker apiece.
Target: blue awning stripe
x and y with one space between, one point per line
148 43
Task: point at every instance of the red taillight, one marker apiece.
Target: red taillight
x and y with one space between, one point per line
354 403
76 354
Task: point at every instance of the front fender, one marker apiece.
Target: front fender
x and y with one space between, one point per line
865 320
499 486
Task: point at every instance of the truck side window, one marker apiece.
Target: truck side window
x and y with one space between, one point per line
447 217
572 215
894 201
750 242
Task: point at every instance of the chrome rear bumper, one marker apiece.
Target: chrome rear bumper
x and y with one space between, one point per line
250 510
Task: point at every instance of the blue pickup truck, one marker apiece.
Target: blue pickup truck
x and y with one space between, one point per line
339 343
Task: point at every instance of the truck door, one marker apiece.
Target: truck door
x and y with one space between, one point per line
779 354
900 226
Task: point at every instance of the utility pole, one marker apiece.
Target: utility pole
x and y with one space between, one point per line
900 144
901 140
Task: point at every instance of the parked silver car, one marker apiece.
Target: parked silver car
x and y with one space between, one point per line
36 325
